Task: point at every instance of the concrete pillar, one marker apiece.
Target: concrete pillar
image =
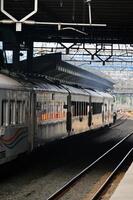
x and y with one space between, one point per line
29 56
16 57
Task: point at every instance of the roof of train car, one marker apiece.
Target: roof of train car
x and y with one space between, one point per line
94 93
39 84
75 90
18 81
105 94
10 82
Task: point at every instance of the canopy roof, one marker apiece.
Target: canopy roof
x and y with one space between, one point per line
52 67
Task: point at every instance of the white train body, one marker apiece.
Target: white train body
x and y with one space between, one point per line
34 112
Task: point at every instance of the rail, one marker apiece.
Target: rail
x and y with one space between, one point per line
67 186
100 190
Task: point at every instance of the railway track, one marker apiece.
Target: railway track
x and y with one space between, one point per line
42 174
108 154
99 193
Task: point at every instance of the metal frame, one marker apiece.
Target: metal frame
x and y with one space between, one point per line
58 24
13 19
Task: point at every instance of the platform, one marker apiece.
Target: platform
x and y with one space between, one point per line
124 190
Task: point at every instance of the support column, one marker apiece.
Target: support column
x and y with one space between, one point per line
29 56
16 57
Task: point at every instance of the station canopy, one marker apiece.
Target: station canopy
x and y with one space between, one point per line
53 68
108 21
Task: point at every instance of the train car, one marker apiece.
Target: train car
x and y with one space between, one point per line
35 111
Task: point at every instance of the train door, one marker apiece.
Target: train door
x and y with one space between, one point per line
89 108
103 112
107 104
32 120
69 114
108 110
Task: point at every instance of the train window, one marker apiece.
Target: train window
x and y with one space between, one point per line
97 108
20 112
53 96
4 113
52 110
23 112
79 108
12 112
105 107
85 108
51 107
44 107
38 105
112 107
74 108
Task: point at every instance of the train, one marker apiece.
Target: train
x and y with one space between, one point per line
35 111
